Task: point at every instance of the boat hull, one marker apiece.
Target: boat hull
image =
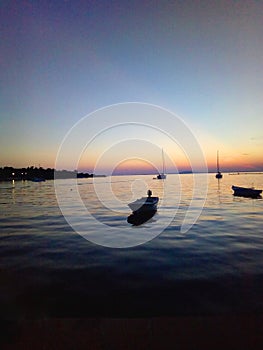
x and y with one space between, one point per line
246 192
144 204
140 217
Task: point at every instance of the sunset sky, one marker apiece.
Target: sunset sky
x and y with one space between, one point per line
201 60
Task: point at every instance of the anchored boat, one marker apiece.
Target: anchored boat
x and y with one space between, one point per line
145 204
143 209
250 192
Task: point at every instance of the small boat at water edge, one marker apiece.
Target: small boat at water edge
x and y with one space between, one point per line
249 192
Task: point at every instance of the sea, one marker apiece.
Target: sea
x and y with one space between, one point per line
200 254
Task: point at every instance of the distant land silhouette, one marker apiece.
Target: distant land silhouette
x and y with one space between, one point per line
8 173
30 173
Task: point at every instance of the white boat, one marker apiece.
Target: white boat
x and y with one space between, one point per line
162 176
144 204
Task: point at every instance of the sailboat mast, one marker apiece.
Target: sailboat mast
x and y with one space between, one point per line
163 160
218 175
162 176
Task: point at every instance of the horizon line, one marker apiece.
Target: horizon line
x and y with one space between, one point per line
180 172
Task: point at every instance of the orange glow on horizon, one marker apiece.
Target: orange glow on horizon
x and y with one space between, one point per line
135 166
238 162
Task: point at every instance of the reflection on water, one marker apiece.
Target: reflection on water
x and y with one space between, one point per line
49 270
140 217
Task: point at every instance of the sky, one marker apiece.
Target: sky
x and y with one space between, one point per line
63 60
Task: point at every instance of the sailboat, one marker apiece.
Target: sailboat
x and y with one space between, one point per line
218 175
162 176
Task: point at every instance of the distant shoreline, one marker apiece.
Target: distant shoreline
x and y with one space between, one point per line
40 174
34 173
246 173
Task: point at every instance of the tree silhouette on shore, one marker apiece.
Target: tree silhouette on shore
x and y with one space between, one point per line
9 173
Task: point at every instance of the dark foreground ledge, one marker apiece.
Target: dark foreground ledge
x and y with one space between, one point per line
184 332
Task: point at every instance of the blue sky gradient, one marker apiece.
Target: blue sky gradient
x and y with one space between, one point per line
61 60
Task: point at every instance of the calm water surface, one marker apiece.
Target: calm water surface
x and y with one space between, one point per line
48 270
